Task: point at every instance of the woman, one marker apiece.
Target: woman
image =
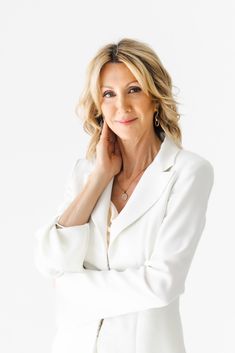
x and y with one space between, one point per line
121 244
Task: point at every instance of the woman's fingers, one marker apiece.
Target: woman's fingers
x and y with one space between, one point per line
104 130
117 150
108 151
107 133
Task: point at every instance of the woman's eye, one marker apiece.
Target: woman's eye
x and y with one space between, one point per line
136 89
105 94
109 94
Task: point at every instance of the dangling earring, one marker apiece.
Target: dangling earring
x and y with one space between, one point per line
156 121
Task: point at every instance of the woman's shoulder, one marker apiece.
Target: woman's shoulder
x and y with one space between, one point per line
77 176
83 164
187 160
81 168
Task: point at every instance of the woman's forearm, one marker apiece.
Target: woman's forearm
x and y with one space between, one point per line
80 209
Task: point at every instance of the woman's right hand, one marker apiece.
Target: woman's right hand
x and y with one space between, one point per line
108 156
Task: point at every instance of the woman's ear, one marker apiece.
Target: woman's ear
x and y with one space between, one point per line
157 105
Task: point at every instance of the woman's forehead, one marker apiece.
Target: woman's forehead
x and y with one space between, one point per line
113 73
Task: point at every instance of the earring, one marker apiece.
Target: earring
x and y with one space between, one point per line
156 121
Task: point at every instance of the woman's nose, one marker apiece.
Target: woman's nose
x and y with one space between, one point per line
123 103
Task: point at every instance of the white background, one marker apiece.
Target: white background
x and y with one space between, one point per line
45 47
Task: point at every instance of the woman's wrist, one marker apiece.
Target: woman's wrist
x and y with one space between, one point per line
100 178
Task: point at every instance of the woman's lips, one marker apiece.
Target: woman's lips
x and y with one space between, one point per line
126 122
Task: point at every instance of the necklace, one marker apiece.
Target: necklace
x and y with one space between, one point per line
124 194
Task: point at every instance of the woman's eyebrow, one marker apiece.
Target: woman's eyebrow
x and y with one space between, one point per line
125 86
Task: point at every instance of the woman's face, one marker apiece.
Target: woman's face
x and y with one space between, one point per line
122 99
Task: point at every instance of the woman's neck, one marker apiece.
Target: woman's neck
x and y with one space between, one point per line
137 155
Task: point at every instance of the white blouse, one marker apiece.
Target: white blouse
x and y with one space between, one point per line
112 214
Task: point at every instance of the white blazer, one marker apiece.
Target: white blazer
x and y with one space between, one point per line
135 284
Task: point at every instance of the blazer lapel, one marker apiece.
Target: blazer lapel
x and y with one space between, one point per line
148 191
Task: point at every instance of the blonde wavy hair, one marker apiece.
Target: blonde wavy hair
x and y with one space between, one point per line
154 79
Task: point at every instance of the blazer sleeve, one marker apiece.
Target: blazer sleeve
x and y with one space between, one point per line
161 279
58 250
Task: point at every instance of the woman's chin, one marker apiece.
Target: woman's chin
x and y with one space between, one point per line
126 137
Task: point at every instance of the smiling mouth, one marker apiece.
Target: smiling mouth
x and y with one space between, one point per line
127 121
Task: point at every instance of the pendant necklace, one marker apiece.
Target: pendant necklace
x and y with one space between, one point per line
124 194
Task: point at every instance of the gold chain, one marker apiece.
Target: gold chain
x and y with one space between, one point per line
124 194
